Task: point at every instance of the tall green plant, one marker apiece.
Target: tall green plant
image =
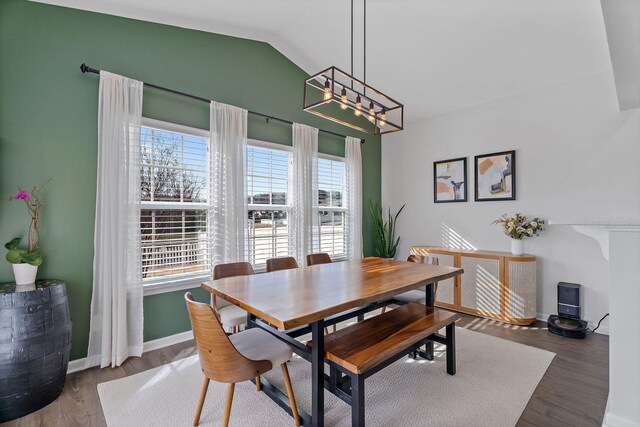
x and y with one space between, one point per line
386 242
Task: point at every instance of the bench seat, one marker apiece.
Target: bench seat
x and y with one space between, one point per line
364 345
364 348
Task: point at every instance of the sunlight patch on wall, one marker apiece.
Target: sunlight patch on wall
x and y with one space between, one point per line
452 239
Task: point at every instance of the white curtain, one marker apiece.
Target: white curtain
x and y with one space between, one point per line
304 192
116 305
228 217
353 189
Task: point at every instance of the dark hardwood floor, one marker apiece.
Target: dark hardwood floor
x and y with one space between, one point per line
573 392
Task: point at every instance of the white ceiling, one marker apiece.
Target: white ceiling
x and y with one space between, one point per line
435 56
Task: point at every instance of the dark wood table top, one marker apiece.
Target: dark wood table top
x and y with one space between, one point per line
291 298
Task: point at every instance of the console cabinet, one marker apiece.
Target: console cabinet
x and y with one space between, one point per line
495 285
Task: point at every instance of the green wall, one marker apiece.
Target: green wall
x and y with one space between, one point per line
48 125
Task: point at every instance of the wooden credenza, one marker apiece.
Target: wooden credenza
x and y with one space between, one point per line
495 285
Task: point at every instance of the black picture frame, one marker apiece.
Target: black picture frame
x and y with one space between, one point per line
510 158
465 182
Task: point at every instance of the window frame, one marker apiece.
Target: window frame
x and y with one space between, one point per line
260 268
171 284
343 208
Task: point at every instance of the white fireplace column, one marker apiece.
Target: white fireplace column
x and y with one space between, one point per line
620 244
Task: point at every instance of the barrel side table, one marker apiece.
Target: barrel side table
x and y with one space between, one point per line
35 341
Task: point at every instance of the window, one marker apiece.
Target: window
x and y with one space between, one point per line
174 211
331 183
175 204
268 202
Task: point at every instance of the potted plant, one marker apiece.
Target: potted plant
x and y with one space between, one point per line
518 227
26 261
386 242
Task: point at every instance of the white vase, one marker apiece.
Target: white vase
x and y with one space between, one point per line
25 274
517 246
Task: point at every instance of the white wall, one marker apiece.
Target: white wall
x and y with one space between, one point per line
577 156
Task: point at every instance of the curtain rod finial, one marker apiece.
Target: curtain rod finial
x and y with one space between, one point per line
84 68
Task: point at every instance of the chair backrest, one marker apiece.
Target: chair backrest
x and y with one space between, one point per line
219 359
231 269
283 263
319 258
424 259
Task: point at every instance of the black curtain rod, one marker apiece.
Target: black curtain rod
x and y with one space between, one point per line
87 69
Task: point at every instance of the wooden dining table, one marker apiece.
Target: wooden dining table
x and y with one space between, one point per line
292 303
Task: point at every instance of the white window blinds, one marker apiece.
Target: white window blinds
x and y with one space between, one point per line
331 206
268 204
174 209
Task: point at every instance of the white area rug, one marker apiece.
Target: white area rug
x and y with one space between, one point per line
494 381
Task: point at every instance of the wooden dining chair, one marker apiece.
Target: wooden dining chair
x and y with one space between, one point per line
236 358
319 258
231 316
418 295
282 263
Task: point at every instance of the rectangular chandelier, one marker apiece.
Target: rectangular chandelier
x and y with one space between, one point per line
340 97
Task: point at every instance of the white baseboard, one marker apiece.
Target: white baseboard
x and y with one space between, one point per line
603 329
167 341
78 364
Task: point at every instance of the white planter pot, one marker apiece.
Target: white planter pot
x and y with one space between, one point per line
517 246
25 274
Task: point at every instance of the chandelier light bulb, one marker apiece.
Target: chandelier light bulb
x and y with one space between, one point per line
383 119
344 101
358 109
327 91
372 113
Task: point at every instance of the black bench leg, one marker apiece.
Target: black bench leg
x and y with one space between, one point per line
451 349
357 400
333 378
428 353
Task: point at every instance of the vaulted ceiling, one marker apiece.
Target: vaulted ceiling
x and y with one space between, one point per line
435 56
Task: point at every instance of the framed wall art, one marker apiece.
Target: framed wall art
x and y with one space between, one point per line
450 180
495 176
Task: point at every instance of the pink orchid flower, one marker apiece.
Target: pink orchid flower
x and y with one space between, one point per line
22 195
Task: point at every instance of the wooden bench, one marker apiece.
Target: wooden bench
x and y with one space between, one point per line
362 349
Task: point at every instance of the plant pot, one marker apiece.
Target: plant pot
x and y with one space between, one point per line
517 246
24 274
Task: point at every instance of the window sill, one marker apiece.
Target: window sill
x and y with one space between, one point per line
162 288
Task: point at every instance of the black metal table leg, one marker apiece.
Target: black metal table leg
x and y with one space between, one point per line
430 300
317 375
451 349
250 319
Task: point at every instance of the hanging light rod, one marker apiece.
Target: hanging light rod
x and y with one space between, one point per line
373 111
87 69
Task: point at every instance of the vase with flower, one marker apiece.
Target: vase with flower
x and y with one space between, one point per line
518 228
26 261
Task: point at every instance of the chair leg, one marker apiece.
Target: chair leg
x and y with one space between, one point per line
334 328
203 395
227 406
326 331
258 384
383 309
292 399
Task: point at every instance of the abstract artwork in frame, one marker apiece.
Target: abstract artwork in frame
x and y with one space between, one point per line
495 176
450 180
